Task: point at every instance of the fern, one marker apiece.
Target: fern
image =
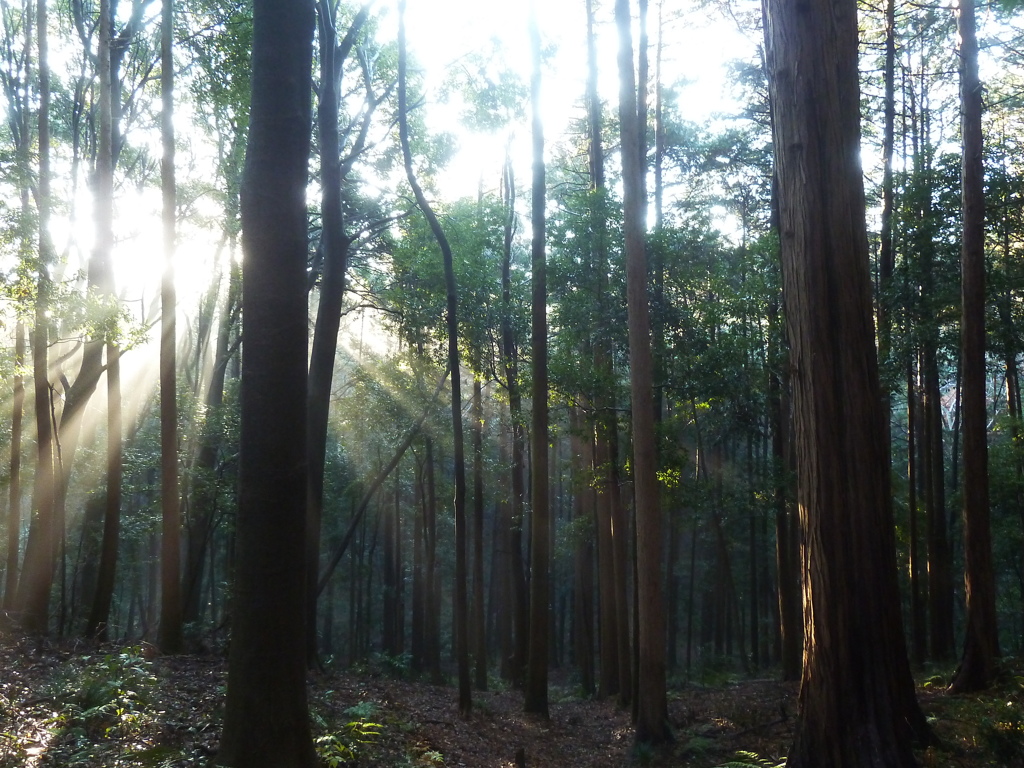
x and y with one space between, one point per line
752 760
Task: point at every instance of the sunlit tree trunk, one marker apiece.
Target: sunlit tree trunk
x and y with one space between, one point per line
103 196
170 639
33 595
266 720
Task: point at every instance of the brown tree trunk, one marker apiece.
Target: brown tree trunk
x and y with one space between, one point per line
104 280
652 706
479 617
170 640
981 641
536 691
857 704
461 617
266 720
14 490
334 246
509 351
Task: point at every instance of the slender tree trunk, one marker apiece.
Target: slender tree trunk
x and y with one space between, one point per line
509 352
981 641
170 640
32 598
536 698
479 617
266 720
918 620
104 280
857 703
652 712
461 580
334 246
14 490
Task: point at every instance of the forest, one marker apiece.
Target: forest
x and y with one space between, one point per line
493 386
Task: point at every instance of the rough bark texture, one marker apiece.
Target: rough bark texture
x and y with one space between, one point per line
981 642
857 704
266 721
652 705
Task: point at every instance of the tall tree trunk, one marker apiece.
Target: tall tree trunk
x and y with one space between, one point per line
14 490
981 641
479 616
32 597
857 704
536 692
652 711
334 245
266 720
509 351
460 597
104 279
918 619
170 639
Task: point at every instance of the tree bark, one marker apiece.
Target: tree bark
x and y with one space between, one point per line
461 617
334 246
266 720
981 641
652 705
170 639
536 693
857 703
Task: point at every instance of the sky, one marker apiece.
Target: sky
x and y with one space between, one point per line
441 33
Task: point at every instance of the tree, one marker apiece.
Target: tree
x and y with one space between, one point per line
170 552
981 641
452 323
536 692
857 704
266 719
652 704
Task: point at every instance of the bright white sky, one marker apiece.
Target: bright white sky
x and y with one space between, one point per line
697 47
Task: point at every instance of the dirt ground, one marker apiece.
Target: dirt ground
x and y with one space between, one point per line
79 707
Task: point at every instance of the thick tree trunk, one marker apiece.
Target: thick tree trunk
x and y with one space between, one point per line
981 641
652 706
857 704
170 640
266 721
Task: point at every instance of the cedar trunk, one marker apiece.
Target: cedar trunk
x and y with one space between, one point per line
651 705
981 642
857 704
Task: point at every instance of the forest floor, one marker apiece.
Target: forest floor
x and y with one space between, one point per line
79 707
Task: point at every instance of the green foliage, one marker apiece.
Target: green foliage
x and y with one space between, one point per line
752 760
347 744
109 700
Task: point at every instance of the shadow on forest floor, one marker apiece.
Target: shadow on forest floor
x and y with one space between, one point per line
75 706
